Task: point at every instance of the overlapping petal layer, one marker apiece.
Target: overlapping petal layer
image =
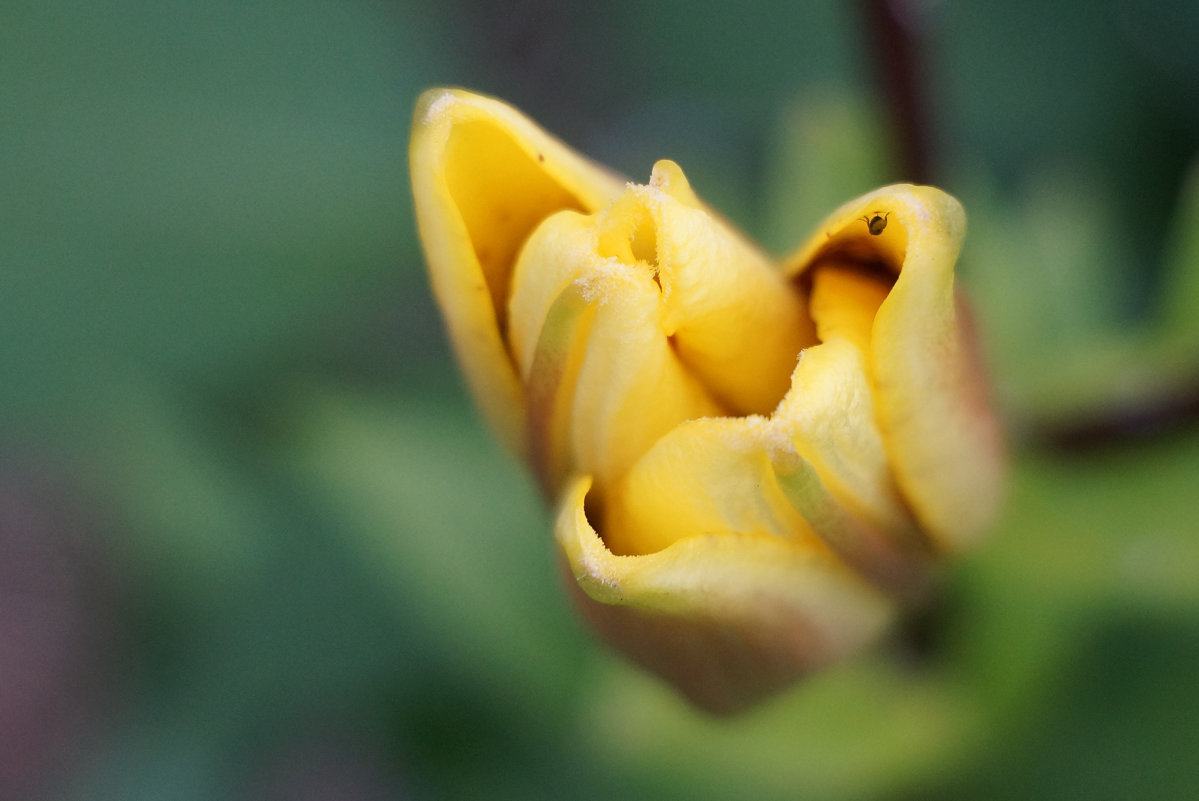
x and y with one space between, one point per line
483 177
940 434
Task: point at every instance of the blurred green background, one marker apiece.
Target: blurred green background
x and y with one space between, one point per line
254 543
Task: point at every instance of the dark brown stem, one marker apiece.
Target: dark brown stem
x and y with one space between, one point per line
894 41
1169 413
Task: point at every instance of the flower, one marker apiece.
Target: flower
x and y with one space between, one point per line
755 463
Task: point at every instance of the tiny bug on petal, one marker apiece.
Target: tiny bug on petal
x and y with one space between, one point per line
876 223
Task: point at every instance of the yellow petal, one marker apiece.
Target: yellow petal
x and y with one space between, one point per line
829 413
737 324
742 477
587 332
483 176
727 619
937 428
559 251
550 386
632 387
711 476
845 301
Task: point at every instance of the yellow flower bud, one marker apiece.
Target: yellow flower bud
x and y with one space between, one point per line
755 463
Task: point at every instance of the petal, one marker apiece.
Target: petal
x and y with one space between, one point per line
891 559
711 476
550 386
829 414
604 381
742 477
483 176
938 430
736 322
632 387
727 619
559 251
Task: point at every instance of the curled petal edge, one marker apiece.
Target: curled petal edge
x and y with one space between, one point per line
726 619
939 431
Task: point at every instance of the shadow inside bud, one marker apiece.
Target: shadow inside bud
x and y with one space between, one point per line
853 244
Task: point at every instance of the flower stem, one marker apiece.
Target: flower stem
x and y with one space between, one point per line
1170 413
893 34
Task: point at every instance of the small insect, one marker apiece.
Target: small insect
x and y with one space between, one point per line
875 223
